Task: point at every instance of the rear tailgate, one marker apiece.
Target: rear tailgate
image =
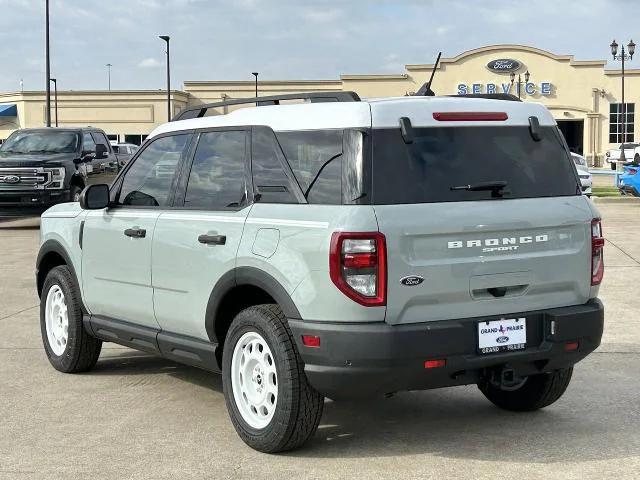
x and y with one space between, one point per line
485 208
534 252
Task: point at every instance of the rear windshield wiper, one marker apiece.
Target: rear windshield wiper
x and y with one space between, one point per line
317 175
496 188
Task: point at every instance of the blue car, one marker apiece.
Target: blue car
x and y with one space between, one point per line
629 183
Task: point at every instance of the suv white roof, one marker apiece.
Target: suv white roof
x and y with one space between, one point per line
375 113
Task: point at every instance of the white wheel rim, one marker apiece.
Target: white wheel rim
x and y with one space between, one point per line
254 380
56 320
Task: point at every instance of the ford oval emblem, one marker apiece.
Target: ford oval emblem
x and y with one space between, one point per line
502 339
411 280
11 179
504 65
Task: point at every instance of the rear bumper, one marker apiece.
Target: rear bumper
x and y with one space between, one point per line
31 202
356 360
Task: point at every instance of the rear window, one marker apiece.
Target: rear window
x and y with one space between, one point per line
444 158
315 159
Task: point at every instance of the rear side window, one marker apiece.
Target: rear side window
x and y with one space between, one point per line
315 159
441 160
100 138
88 145
217 178
271 183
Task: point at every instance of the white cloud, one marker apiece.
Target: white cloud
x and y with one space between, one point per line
150 63
282 39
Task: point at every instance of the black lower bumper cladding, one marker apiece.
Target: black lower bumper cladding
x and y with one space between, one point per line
357 360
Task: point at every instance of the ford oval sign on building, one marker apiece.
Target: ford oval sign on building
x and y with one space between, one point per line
504 65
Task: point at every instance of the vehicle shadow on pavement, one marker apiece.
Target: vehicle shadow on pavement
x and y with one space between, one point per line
130 362
451 423
460 423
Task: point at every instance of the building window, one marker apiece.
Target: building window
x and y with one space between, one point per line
616 122
135 139
113 137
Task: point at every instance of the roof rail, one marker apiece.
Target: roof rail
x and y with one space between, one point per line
509 97
313 97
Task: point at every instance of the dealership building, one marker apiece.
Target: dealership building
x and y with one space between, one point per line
583 96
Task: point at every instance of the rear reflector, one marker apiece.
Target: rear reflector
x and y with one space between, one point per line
311 341
571 346
435 363
470 116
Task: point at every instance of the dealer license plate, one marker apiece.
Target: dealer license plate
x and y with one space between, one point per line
508 334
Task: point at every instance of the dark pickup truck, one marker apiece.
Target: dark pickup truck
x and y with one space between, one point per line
43 167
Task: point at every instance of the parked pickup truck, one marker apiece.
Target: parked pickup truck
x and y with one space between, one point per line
631 154
42 167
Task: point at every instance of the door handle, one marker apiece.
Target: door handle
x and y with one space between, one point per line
213 239
135 232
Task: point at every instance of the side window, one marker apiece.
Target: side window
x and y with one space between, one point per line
315 158
269 179
217 178
100 138
149 180
88 145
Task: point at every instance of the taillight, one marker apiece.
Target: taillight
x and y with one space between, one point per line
597 252
358 266
633 171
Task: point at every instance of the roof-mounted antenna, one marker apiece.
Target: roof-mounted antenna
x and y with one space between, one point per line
425 90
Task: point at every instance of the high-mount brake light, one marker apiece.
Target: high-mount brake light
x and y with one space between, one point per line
470 116
597 252
358 266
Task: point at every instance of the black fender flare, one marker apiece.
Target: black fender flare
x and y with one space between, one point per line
52 246
240 276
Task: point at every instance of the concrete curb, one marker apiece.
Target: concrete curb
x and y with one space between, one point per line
620 199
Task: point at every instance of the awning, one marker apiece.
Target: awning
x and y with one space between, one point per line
8 110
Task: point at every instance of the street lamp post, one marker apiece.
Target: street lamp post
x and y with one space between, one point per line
167 38
527 75
47 113
623 57
255 74
55 87
109 74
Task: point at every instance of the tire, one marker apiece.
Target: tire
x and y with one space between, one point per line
262 331
636 160
74 193
613 166
537 392
76 351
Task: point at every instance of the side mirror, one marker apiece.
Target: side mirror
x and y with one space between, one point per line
95 197
101 151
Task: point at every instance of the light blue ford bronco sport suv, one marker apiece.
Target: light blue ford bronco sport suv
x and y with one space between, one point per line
337 248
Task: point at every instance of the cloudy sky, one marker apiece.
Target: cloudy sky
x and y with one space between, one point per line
284 39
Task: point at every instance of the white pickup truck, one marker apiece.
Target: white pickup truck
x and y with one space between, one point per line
631 154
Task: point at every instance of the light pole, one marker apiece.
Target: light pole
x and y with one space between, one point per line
55 86
47 113
167 38
109 74
623 57
527 75
255 74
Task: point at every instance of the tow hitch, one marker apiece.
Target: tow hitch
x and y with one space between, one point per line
505 378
